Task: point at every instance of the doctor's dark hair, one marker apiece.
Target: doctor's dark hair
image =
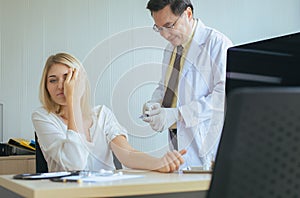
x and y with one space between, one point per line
177 6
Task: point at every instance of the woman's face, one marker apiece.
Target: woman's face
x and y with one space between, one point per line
55 82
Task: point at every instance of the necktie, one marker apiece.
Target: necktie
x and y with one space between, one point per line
173 81
170 92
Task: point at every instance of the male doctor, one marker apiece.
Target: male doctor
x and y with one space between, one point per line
189 100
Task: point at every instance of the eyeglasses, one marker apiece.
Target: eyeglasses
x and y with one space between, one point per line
157 28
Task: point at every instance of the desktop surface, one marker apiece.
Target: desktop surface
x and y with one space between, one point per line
151 183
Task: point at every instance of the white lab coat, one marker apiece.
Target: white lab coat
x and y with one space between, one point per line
201 94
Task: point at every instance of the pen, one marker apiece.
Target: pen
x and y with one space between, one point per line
144 116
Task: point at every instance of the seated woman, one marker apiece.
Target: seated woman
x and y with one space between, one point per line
74 136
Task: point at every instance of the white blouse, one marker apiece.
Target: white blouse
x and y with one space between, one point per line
66 150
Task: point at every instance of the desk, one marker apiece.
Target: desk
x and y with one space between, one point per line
17 164
152 183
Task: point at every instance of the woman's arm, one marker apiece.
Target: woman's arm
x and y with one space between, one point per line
132 158
74 88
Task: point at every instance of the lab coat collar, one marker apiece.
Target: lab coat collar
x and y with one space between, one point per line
199 40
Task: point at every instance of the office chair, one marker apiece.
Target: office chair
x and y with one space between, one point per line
41 163
259 152
117 163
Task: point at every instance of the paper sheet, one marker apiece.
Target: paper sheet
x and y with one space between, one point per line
102 178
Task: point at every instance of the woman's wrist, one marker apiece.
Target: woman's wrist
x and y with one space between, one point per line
157 164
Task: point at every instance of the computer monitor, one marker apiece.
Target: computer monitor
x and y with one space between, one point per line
270 62
268 114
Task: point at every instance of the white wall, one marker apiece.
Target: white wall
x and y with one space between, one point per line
250 20
120 51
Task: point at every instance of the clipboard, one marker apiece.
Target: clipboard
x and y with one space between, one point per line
51 175
22 143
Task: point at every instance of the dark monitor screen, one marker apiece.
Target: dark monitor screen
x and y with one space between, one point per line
270 62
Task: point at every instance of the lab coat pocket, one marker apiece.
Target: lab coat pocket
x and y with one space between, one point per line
210 139
203 130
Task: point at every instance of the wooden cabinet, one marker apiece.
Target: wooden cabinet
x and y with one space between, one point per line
17 164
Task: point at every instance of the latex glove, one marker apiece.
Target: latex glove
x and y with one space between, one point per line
161 118
147 107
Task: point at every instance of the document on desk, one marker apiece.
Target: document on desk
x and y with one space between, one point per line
93 179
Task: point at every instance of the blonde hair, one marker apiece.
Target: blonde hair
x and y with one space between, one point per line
45 98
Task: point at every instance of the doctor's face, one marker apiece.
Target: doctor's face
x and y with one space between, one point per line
175 29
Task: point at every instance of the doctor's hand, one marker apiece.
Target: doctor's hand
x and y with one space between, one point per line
160 118
147 106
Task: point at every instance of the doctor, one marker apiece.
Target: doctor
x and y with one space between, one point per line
189 100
